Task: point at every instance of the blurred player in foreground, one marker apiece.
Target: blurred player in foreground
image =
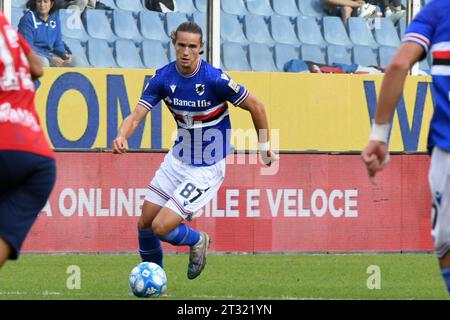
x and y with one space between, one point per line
430 30
27 165
196 94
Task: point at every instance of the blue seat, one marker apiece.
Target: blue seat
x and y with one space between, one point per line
200 5
200 19
124 25
401 27
282 30
231 29
284 53
130 5
339 54
313 8
154 54
365 56
100 54
386 55
127 55
261 57
236 7
110 3
72 26
77 50
19 3
16 14
334 31
256 30
313 53
260 7
424 65
308 31
234 57
360 32
285 8
385 33
173 20
97 25
186 6
151 26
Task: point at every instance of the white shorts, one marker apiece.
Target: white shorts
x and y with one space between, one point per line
184 188
439 179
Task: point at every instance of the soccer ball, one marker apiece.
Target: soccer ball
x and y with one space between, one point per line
147 279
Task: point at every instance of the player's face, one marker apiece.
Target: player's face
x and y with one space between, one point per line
187 47
44 7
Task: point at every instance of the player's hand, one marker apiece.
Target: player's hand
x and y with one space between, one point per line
120 145
375 157
269 157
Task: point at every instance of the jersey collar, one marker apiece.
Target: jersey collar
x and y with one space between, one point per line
193 73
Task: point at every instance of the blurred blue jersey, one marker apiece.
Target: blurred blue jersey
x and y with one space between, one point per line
198 103
431 29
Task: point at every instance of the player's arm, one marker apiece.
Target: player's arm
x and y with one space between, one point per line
261 124
127 128
36 69
375 154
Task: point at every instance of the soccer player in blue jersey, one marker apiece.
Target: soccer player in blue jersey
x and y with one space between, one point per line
196 94
430 30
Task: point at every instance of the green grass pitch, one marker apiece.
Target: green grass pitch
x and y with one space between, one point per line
230 276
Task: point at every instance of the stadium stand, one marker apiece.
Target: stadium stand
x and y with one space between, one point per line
72 25
285 8
261 57
98 25
360 32
78 50
126 54
339 54
100 54
154 54
334 32
284 53
287 29
130 5
365 56
256 30
151 26
235 7
234 57
283 30
124 25
260 7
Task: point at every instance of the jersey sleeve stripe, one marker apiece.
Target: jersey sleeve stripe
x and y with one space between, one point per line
145 104
242 98
417 38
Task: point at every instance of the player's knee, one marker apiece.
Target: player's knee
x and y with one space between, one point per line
159 229
144 223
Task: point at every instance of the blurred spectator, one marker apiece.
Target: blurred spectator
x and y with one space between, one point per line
349 8
81 5
41 27
392 9
161 5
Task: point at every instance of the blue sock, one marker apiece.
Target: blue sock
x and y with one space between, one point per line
182 236
446 275
150 247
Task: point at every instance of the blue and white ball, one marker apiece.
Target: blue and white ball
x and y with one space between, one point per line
147 279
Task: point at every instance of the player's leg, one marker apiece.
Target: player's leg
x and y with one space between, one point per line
162 184
5 251
439 179
31 181
150 248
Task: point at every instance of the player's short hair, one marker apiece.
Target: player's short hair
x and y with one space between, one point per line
188 26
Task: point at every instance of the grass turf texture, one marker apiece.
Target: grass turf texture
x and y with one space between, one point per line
230 276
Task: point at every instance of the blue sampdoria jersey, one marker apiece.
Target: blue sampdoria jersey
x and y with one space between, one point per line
431 29
198 103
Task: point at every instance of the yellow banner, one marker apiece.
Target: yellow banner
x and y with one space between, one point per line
82 108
